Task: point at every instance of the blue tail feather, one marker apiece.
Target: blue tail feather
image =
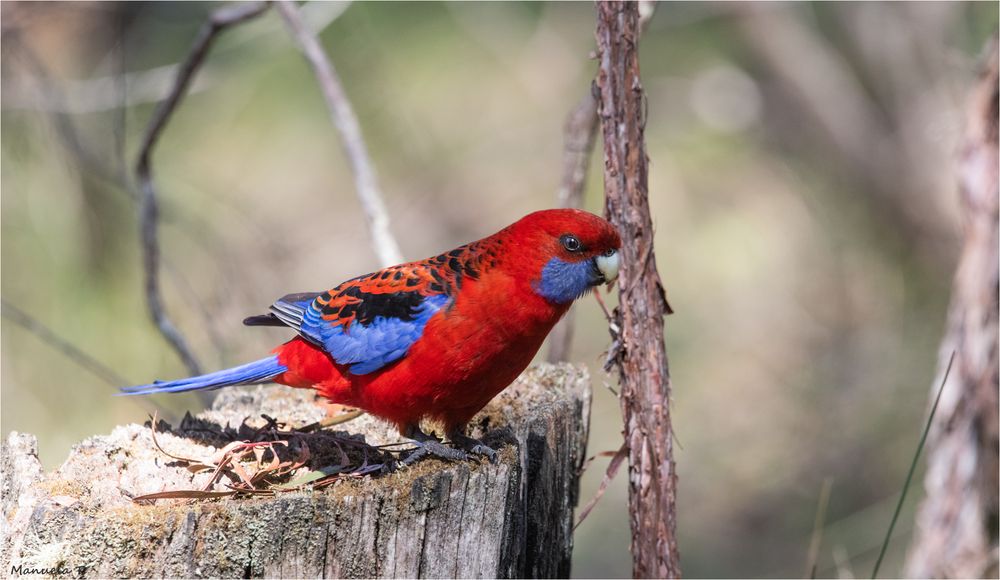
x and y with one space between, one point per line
252 373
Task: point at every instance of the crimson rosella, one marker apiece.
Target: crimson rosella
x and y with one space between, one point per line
437 338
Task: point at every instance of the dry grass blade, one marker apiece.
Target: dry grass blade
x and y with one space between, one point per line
331 421
244 476
152 431
812 557
589 460
613 466
913 467
199 467
183 494
311 477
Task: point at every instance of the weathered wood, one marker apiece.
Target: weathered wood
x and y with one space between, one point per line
509 519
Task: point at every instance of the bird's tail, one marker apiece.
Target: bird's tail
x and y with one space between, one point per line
260 371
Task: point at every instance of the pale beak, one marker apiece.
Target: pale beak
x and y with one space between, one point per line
608 266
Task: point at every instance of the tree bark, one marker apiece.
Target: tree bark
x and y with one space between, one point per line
639 351
957 522
462 520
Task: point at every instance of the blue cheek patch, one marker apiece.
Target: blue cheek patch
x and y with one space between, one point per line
563 282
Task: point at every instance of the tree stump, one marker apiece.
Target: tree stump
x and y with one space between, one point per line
472 519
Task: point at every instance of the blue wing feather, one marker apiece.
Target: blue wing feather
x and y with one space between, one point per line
367 346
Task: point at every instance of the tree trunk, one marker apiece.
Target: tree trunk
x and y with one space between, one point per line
510 519
957 523
639 351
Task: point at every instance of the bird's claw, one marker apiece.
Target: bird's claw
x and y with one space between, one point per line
485 451
433 447
428 445
474 446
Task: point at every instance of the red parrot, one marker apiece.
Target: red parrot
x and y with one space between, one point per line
437 338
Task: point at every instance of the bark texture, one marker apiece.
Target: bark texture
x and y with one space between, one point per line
957 523
639 351
511 519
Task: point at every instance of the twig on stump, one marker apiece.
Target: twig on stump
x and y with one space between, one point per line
956 535
148 211
579 135
642 358
346 122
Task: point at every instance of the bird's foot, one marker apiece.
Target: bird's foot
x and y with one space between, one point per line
473 446
429 446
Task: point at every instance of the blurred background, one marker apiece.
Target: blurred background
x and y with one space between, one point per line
802 186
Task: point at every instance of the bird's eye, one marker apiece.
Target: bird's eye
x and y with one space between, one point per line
571 243
610 252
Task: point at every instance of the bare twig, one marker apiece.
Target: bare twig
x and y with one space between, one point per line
579 136
812 557
217 22
820 83
104 93
44 88
107 171
346 122
616 461
642 357
46 335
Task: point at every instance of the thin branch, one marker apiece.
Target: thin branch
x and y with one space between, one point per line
109 172
217 22
617 458
70 351
104 93
820 84
346 122
579 135
44 88
812 556
49 337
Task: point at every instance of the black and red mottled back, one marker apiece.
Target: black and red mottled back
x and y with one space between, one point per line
395 291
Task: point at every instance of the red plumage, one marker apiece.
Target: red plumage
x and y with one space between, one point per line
469 353
437 338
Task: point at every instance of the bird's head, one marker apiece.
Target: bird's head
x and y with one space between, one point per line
566 252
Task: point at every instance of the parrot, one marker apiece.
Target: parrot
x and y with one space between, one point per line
434 339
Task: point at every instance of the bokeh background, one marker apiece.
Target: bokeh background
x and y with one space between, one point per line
801 185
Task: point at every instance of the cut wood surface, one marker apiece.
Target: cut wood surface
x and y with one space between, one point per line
471 519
